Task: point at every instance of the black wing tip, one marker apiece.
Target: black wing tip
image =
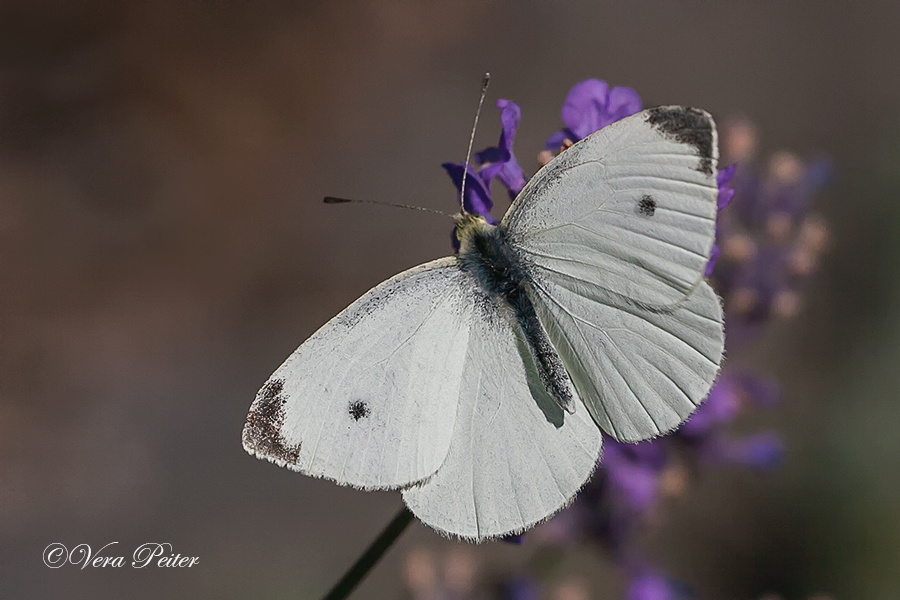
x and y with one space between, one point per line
687 125
262 432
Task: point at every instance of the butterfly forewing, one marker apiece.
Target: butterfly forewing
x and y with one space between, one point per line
616 232
628 212
370 399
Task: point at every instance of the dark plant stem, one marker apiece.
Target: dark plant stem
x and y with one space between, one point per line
371 556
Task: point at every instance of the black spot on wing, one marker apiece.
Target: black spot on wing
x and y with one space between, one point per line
262 433
687 126
359 410
647 206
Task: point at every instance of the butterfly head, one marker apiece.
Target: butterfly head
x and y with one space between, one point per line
468 226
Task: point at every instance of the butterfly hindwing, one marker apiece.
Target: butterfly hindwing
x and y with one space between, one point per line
640 372
370 399
516 457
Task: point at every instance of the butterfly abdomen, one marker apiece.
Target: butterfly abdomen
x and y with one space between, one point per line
488 256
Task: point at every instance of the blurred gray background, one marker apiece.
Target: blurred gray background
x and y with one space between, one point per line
163 247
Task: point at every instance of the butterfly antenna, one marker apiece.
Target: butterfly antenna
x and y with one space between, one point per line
462 192
333 200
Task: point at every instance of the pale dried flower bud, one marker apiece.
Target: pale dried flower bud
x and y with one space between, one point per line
743 300
571 590
802 261
673 481
778 226
738 247
814 234
459 572
544 157
740 141
786 304
786 168
421 575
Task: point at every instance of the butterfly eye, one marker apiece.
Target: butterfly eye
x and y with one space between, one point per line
359 410
647 206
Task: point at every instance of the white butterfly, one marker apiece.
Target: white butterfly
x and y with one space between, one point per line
479 384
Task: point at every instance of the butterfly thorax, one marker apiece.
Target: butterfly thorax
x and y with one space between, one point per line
486 253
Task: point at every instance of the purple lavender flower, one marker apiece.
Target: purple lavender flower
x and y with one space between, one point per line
633 472
494 162
616 503
478 192
723 177
726 193
591 106
520 588
732 394
756 390
653 586
514 539
721 406
499 161
762 451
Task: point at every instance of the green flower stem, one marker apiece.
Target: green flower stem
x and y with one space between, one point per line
371 556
